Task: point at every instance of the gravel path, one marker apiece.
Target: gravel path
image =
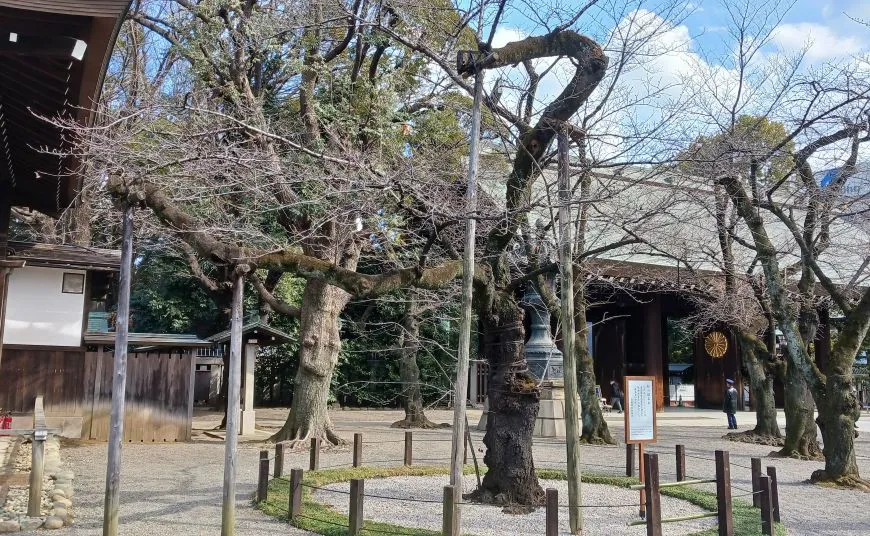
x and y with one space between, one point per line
491 521
176 488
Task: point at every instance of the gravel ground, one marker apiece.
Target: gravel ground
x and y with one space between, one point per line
491 521
177 487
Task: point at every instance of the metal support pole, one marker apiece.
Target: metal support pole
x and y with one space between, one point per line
119 382
461 385
572 410
228 513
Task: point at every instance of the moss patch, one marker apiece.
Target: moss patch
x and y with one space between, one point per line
322 519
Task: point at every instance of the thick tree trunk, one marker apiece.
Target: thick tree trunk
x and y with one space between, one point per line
409 372
595 428
318 356
838 412
756 357
514 399
801 439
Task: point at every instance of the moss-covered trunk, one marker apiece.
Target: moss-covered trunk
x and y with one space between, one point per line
409 372
595 428
757 359
319 346
514 400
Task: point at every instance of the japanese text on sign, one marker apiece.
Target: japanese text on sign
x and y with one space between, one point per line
640 401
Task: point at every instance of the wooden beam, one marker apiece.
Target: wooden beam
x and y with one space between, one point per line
119 383
228 515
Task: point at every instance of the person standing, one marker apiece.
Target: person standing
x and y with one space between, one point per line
730 404
616 395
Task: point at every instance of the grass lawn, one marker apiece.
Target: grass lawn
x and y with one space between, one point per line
322 519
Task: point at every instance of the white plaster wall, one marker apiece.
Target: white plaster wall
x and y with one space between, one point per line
38 313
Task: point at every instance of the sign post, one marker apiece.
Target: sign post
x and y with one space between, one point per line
640 419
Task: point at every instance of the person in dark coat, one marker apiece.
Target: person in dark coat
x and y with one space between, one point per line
730 404
617 396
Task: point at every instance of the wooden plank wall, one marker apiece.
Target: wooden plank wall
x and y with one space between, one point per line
55 373
159 396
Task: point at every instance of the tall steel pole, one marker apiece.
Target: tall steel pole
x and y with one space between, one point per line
228 513
119 381
572 410
461 385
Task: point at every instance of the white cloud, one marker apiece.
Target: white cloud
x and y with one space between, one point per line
820 41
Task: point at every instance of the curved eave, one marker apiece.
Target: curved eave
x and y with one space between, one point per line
40 76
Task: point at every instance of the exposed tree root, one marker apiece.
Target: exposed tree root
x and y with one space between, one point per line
507 501
813 453
423 423
328 438
597 439
751 436
855 482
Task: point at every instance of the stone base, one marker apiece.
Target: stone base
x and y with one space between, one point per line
249 418
551 414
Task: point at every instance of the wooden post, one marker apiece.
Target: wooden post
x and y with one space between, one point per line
681 463
460 386
767 524
355 513
629 459
756 475
552 516
448 522
295 504
314 455
37 459
279 460
774 492
572 410
234 387
263 477
723 493
357 450
409 448
112 502
653 499
641 472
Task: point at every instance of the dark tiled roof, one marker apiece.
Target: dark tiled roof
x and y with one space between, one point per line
65 256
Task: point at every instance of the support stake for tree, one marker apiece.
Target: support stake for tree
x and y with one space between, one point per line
263 477
756 476
357 449
409 448
774 492
234 387
629 459
355 512
653 499
572 411
552 515
314 455
119 382
295 504
766 506
279 460
723 493
681 463
460 387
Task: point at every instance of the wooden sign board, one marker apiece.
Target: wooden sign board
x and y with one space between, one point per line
640 409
